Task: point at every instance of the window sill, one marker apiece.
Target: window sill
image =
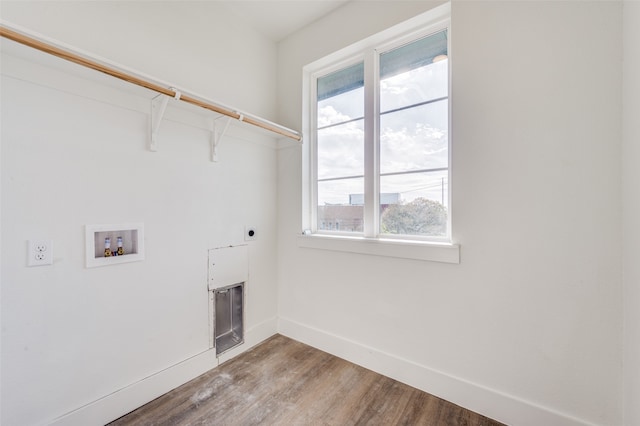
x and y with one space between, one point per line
404 249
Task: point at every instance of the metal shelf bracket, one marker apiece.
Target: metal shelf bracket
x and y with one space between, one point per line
158 108
217 133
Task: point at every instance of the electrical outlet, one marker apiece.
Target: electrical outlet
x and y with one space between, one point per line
250 233
40 252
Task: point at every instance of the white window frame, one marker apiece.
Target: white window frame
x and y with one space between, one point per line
371 242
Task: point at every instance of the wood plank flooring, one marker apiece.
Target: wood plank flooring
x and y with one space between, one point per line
285 382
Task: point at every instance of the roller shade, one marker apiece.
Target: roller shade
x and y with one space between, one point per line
402 59
341 81
413 55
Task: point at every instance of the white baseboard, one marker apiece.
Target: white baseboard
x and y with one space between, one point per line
494 404
125 400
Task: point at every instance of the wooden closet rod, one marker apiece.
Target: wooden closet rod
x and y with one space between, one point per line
72 57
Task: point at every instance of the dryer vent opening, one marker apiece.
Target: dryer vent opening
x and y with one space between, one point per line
229 317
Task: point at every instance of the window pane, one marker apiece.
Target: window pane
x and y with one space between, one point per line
414 73
341 96
414 204
415 138
341 150
339 205
416 86
343 107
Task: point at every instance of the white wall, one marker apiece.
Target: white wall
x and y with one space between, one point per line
74 153
527 328
631 210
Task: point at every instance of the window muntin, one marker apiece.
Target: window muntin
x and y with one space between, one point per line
410 174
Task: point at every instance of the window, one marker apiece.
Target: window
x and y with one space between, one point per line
378 126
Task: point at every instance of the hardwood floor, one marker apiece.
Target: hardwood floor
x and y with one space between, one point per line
285 382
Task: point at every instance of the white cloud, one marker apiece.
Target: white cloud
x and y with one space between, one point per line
328 115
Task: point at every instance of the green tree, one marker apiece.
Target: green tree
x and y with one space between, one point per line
418 217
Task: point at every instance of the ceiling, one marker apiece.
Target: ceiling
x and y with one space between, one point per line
276 19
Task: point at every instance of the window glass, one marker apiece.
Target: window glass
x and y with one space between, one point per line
416 204
341 201
341 108
414 140
414 73
340 149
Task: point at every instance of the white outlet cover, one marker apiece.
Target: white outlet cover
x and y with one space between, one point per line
40 252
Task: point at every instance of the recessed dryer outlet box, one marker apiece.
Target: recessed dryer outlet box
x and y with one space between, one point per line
250 233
